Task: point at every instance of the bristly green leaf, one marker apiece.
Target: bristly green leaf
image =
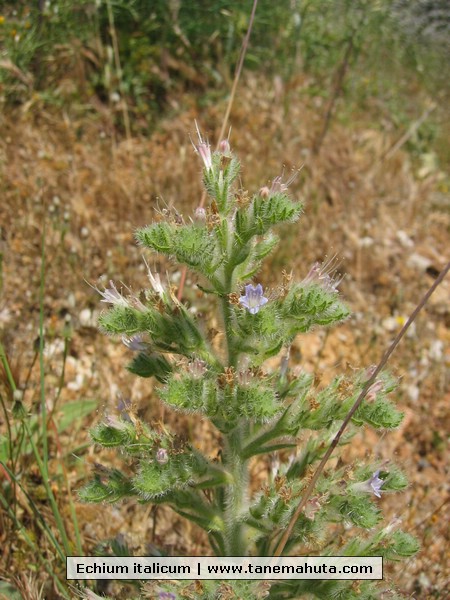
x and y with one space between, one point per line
360 510
109 436
122 320
159 237
189 393
264 213
150 365
379 413
155 480
309 305
196 247
111 487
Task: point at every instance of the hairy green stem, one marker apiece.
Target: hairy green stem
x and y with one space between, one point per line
235 494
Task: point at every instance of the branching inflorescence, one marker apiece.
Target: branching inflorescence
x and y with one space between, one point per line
257 410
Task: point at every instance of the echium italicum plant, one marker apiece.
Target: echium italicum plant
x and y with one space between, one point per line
259 410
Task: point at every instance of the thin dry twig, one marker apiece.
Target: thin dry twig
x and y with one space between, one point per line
285 537
409 133
113 34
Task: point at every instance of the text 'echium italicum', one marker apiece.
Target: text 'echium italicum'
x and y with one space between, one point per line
229 363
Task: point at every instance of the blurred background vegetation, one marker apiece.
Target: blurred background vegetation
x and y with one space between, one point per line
138 57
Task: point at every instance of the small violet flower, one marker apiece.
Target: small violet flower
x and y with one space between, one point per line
375 483
135 342
111 295
372 485
253 299
166 596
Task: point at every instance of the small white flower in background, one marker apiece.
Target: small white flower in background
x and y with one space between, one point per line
264 192
312 507
253 299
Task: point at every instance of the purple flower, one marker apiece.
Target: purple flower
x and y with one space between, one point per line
166 596
372 485
112 296
375 483
253 299
135 342
323 274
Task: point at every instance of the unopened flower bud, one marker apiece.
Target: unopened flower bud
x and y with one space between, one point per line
264 192
162 457
18 395
200 214
224 147
18 410
115 423
374 389
197 368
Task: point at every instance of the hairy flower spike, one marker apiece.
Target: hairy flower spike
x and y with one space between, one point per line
253 299
257 406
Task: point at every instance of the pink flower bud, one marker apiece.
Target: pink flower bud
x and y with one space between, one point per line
200 214
264 192
162 456
224 147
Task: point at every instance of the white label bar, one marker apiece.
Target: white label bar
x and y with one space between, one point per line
213 567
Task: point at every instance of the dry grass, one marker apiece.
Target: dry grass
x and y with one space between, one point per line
387 219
